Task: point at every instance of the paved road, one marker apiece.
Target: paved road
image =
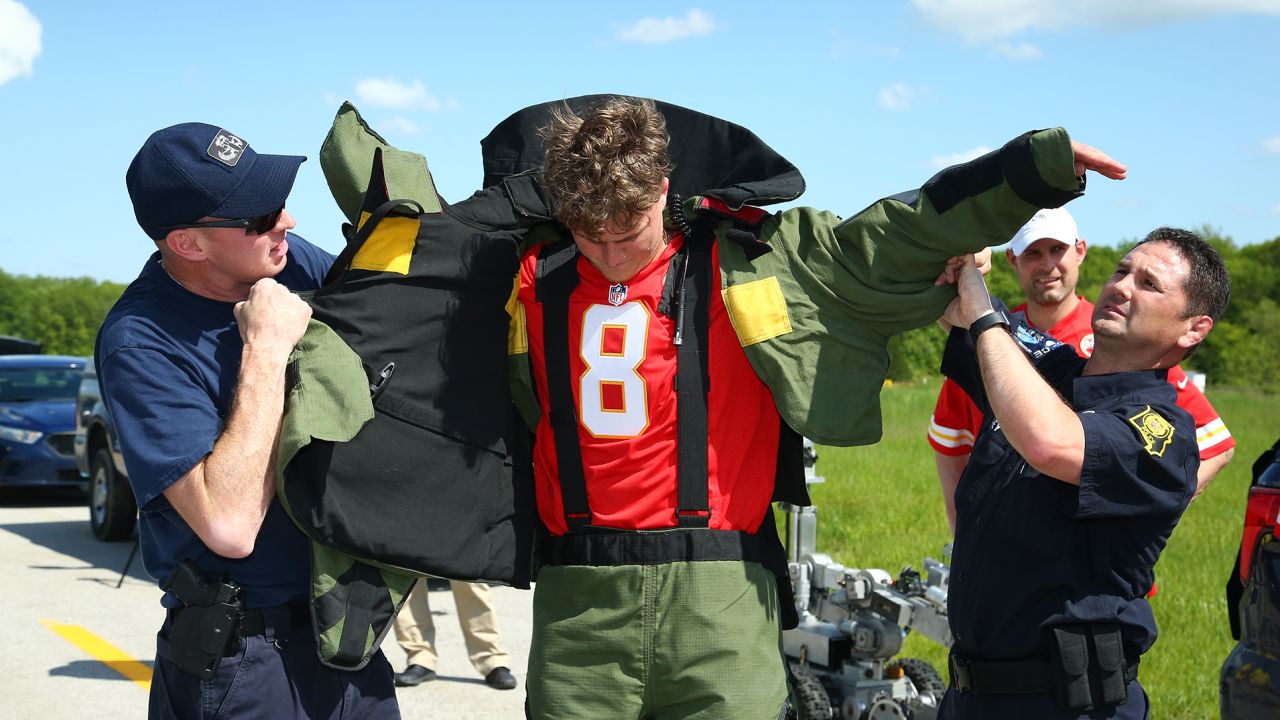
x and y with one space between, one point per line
78 646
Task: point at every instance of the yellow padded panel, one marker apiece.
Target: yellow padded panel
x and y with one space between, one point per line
390 246
757 310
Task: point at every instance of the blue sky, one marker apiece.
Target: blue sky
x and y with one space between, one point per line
866 98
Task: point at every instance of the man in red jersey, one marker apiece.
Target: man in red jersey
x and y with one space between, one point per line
1046 255
655 465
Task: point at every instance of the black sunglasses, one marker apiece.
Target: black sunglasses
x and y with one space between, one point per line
252 226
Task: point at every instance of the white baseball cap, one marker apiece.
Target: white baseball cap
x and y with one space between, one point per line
1054 223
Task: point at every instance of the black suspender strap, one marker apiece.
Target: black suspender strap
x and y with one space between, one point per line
693 322
555 278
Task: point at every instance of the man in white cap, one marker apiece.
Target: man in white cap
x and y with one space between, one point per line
1046 254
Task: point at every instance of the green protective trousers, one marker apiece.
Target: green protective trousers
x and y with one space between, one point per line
657 642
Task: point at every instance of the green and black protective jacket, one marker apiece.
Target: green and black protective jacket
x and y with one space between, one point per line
421 469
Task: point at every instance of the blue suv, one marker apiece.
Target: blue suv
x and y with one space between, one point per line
38 420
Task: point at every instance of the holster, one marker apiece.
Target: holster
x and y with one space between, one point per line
207 627
1089 663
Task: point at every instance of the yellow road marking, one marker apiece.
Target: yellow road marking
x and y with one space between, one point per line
103 651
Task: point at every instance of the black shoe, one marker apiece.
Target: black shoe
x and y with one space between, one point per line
500 678
416 674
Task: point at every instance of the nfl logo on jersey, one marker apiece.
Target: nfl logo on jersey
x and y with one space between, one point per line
617 294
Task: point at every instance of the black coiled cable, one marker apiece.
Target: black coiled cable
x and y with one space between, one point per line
675 209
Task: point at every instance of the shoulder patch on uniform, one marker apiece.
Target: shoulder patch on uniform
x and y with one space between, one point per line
1156 432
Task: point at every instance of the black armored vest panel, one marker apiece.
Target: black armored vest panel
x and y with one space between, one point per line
401 454
427 485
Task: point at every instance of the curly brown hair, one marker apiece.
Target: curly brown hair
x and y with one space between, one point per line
605 167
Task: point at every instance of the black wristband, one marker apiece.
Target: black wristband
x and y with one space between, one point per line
985 323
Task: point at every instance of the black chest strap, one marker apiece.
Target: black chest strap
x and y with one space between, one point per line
693 325
555 279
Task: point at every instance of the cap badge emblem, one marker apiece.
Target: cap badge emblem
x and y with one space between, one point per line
227 148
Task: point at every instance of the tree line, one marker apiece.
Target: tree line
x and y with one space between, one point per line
1243 350
62 314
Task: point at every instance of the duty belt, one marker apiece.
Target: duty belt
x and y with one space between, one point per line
258 620
999 677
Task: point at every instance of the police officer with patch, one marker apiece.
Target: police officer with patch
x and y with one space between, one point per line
192 362
1080 475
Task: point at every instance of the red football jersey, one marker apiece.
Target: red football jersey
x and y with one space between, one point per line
956 420
621 353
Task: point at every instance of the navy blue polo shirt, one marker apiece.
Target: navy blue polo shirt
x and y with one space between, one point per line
168 361
1032 552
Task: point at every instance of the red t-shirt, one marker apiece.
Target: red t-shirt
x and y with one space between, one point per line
623 357
956 420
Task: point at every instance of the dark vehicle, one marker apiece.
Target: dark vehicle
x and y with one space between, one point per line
1250 681
10 345
112 512
37 420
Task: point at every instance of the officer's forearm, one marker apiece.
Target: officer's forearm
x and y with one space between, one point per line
1039 425
225 497
950 467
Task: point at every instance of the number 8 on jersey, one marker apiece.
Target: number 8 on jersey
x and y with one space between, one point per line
611 392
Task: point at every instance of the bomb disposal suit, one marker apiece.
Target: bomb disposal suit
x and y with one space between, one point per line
655 464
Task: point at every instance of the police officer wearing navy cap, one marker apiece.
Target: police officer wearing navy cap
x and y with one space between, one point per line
1074 486
192 363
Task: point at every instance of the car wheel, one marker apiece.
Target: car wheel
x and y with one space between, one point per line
112 512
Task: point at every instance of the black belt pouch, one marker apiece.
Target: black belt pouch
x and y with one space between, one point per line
1088 661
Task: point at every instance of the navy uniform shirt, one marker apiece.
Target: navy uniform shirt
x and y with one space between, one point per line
1032 552
168 360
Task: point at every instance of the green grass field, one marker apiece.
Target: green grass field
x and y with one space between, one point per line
880 507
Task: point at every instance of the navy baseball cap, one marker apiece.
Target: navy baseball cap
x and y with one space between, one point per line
193 170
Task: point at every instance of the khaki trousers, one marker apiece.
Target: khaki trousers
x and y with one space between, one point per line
416 631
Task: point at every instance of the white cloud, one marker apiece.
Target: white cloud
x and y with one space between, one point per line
669 29
399 125
391 93
1018 51
1272 144
993 19
944 161
900 96
19 40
